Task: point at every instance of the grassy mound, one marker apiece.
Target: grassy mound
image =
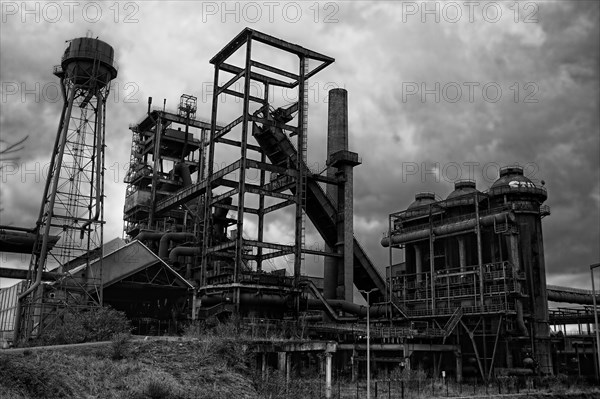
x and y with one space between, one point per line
147 369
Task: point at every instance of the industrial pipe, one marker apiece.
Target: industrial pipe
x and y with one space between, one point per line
329 305
520 321
247 298
448 229
183 170
21 242
348 307
183 251
251 299
320 303
14 228
163 248
221 213
570 295
149 235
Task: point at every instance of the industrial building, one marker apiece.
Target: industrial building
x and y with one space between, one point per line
470 299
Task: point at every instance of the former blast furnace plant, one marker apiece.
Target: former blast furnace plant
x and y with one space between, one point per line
470 298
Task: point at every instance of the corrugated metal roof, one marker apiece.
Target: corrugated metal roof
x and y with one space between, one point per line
124 262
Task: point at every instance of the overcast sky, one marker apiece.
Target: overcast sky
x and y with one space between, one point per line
437 91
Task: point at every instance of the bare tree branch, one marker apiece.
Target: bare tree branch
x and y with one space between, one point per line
18 146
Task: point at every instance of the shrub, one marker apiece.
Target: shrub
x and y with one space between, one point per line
120 346
95 324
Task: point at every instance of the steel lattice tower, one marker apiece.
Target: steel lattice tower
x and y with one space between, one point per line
72 204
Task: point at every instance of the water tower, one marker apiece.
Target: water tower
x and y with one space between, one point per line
72 203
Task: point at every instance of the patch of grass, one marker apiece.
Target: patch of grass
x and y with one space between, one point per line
30 377
156 390
275 387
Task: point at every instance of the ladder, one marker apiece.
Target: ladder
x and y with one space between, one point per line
502 227
302 172
452 322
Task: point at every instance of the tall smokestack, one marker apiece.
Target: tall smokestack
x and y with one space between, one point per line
337 123
337 140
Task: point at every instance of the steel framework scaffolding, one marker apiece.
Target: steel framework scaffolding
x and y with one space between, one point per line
72 208
257 116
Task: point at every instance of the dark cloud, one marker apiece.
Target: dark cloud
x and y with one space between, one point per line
377 53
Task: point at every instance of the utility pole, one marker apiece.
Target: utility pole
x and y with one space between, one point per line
592 267
369 340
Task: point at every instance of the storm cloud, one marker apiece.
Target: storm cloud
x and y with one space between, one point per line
435 94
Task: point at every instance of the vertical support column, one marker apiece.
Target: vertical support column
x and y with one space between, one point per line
288 367
458 357
407 353
479 252
328 375
542 325
261 216
261 198
263 365
391 262
155 161
239 245
513 251
281 361
493 250
509 355
431 262
202 157
301 175
462 253
418 262
354 363
481 286
346 211
206 235
513 256
194 298
597 333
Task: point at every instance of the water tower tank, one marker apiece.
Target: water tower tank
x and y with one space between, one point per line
89 62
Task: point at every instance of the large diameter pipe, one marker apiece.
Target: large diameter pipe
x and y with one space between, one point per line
149 235
451 228
183 251
349 307
21 242
163 248
183 170
247 299
520 321
251 299
568 295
